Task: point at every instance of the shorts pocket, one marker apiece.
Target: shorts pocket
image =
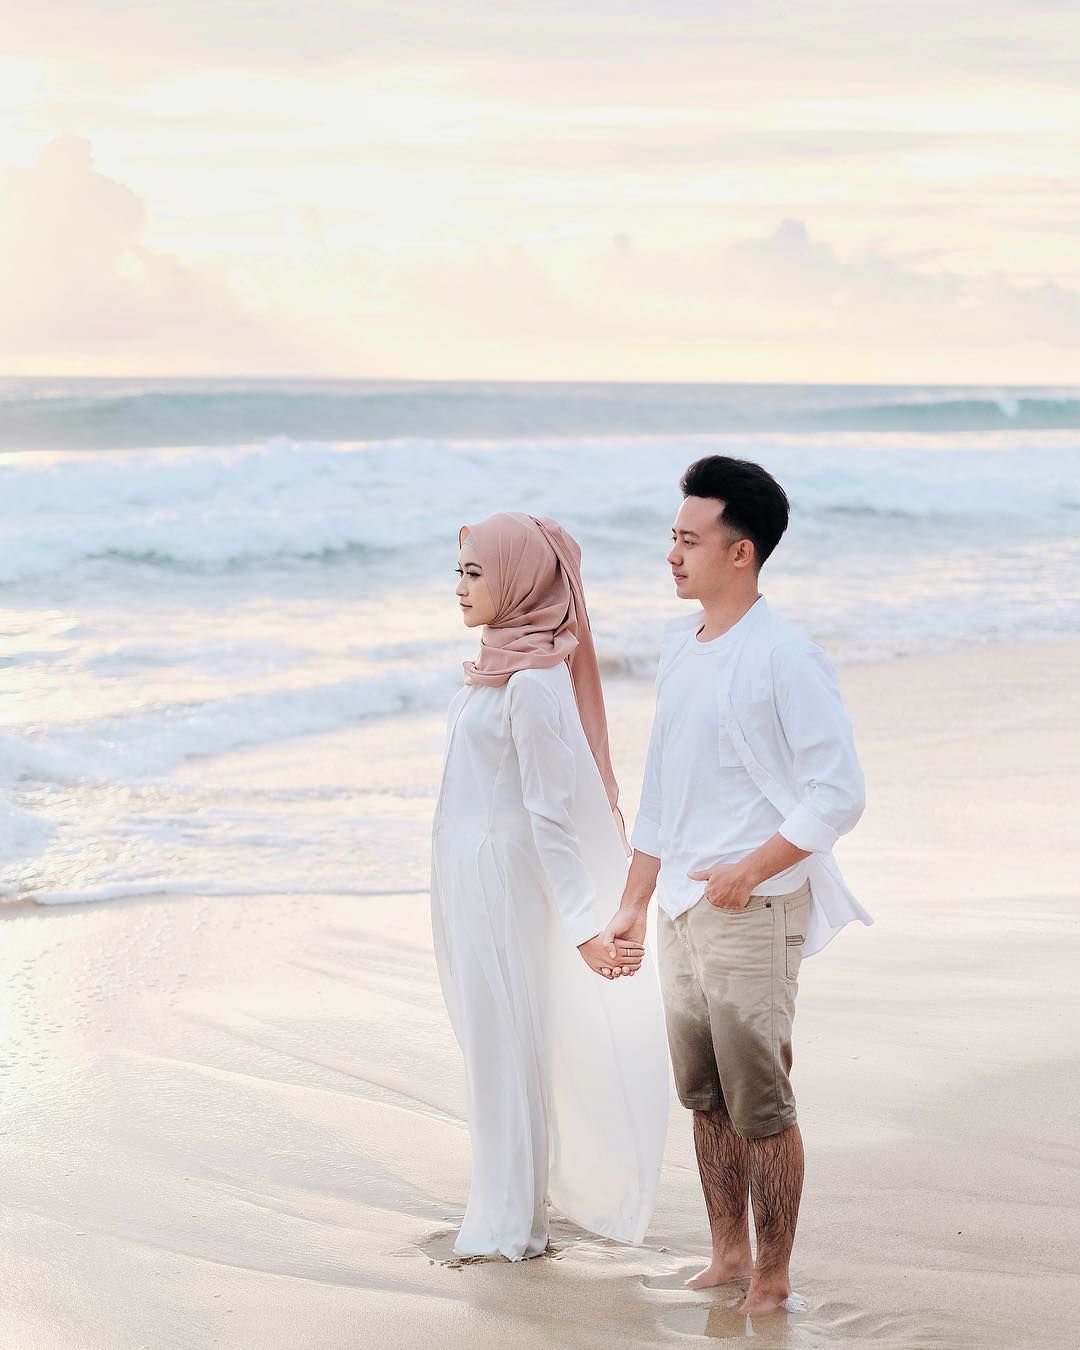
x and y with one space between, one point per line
795 920
756 902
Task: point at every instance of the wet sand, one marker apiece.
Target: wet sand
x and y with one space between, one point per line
237 1121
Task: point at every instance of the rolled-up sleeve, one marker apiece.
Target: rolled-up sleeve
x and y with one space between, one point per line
646 833
548 776
829 778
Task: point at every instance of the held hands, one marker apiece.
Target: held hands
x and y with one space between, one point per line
727 886
620 948
611 958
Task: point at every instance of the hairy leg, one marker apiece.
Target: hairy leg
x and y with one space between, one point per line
724 1165
776 1180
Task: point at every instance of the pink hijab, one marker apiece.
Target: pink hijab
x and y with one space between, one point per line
533 570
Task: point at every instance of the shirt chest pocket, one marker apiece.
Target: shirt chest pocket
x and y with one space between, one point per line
756 718
726 754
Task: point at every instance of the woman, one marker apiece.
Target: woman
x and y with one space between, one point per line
565 1058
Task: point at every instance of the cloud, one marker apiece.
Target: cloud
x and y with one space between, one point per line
784 305
81 291
78 286
563 46
790 283
878 296
282 32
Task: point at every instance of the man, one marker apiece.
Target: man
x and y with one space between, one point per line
751 777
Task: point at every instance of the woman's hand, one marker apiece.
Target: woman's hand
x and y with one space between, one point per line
611 958
625 937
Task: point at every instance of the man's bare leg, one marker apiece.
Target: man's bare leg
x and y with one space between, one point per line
724 1164
776 1179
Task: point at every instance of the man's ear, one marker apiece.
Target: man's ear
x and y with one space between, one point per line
744 553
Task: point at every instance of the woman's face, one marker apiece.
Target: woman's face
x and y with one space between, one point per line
472 591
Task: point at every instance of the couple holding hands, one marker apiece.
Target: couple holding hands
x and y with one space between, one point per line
750 778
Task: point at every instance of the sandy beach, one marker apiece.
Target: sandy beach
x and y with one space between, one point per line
237 1121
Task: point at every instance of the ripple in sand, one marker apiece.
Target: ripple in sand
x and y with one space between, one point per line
677 1280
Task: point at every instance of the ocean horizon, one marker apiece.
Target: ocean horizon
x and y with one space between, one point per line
107 412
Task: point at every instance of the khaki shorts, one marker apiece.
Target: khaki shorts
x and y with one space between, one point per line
729 979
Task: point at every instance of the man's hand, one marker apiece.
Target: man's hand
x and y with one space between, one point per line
730 885
611 959
624 940
727 885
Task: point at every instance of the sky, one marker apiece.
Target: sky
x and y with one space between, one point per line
843 190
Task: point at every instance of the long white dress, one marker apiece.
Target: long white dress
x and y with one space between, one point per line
566 1073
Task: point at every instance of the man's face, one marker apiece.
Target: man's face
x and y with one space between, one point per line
705 559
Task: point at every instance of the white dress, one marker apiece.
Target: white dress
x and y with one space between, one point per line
566 1073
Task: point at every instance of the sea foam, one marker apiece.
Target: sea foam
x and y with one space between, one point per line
291 506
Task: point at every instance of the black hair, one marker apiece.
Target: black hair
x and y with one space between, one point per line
755 506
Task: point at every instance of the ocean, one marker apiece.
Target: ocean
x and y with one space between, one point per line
227 622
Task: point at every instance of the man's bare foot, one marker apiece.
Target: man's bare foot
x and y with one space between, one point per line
722 1270
764 1296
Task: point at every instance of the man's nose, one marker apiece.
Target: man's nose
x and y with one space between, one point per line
673 555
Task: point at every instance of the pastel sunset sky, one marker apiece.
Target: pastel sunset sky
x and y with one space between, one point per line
863 190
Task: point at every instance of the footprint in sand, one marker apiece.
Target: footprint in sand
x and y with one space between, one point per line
438 1247
713 1314
720 1320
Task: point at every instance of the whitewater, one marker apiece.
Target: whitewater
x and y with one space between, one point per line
227 625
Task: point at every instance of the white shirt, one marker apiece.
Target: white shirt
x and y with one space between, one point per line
519 773
708 810
699 804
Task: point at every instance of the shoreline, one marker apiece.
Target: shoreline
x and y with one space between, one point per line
238 1120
